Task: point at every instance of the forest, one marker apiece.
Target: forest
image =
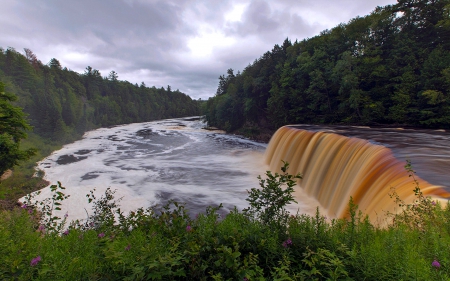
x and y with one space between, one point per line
389 67
62 104
44 106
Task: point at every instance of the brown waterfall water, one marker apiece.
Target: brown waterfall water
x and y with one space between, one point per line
335 167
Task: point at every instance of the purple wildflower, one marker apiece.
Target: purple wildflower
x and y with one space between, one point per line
66 215
66 232
41 228
188 228
24 206
433 203
101 235
287 243
35 261
435 264
128 247
30 211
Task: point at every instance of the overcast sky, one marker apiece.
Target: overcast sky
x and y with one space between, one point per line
186 44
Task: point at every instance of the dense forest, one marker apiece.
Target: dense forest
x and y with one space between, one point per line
62 104
389 67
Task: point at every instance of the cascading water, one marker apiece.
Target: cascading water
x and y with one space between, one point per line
335 167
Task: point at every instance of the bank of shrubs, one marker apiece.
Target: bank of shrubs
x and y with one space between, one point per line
263 242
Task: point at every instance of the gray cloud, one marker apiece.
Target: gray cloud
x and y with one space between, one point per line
152 40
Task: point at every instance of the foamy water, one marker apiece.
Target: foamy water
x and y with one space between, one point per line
150 163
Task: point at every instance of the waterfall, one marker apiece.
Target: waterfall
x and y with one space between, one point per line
335 167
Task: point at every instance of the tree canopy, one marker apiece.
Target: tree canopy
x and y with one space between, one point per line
62 104
12 130
389 67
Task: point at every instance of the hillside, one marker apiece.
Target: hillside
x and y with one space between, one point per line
389 67
61 105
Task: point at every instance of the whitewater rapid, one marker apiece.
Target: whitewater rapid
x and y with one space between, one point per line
150 163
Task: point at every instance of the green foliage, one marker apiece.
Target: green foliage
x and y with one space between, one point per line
418 213
44 210
60 105
389 67
165 243
12 130
268 204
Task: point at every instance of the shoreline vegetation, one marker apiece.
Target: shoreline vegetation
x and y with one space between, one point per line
61 105
262 242
389 67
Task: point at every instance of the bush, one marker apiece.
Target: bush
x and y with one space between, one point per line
263 242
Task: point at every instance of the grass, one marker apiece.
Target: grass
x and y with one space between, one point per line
164 243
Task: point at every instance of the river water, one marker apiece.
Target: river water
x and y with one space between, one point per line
150 163
427 149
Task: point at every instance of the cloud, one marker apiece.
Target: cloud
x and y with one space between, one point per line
183 43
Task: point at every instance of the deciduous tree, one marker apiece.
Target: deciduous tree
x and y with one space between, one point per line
12 130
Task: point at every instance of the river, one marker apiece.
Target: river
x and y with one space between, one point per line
150 163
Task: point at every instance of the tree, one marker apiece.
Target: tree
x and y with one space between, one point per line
12 130
113 76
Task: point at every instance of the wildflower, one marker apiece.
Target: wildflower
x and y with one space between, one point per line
128 247
188 228
30 211
433 203
435 264
66 232
24 206
35 261
101 235
66 215
41 228
287 243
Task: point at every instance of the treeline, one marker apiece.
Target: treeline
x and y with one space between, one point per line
389 67
62 104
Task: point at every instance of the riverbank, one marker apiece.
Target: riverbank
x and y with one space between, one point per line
168 244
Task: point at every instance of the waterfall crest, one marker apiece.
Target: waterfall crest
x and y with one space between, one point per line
335 167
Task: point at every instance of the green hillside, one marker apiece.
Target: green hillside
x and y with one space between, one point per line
389 67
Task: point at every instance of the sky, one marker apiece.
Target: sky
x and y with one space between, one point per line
186 44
